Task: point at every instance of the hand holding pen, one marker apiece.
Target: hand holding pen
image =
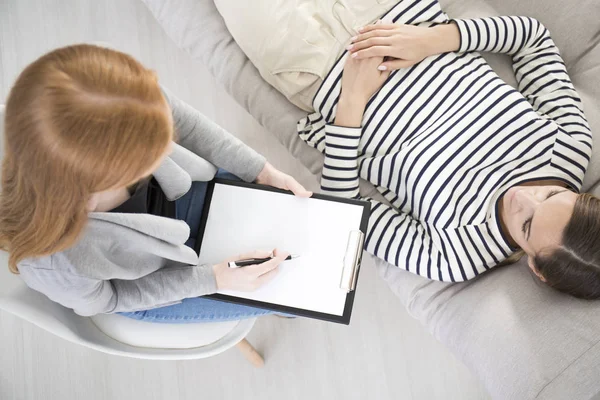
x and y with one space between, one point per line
251 277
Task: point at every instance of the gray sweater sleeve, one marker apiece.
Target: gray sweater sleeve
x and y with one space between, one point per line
200 135
160 288
101 275
88 296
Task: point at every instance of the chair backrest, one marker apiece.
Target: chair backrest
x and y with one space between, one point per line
17 299
21 301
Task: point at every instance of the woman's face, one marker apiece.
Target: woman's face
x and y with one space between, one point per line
536 216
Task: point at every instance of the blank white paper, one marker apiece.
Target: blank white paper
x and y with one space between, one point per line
243 220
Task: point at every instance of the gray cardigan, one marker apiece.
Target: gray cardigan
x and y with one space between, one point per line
128 262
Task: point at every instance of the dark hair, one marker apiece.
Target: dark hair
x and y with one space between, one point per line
574 267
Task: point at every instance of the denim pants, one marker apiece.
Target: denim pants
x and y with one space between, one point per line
197 309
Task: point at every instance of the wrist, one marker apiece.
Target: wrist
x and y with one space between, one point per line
445 38
218 274
350 110
265 173
353 100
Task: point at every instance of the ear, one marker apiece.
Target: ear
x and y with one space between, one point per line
534 269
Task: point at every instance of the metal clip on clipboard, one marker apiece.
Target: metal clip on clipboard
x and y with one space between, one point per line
352 260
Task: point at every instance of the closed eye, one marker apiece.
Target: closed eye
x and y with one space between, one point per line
554 192
526 228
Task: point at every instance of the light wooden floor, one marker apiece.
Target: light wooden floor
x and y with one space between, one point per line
384 354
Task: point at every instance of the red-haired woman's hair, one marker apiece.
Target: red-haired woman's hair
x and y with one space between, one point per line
79 120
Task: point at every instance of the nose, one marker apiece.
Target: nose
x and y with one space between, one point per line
526 199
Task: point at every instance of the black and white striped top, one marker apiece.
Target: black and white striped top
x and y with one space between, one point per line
443 140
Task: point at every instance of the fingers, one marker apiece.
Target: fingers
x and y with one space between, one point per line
264 278
378 33
297 188
369 28
286 182
396 64
375 51
364 44
261 269
253 254
384 76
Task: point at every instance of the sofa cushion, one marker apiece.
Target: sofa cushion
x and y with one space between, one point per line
516 334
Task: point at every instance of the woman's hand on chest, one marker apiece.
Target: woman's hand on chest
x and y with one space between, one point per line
360 80
403 45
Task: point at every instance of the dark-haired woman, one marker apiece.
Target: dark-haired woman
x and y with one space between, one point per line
474 170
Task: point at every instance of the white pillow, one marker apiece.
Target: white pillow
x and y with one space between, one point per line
295 44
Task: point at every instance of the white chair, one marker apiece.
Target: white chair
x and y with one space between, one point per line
118 335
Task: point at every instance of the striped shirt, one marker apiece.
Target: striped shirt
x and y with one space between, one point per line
444 139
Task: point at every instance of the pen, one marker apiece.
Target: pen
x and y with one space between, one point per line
254 261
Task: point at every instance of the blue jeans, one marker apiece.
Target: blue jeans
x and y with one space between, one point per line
197 309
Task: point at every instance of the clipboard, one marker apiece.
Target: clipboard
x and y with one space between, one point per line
232 195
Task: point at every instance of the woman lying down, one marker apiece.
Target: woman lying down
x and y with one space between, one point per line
476 172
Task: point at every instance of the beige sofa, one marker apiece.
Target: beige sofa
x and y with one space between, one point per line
523 340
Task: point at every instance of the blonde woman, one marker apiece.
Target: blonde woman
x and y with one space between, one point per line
98 200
